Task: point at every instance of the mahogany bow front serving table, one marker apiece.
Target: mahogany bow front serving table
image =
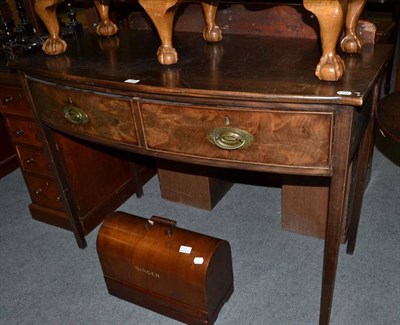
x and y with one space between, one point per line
249 103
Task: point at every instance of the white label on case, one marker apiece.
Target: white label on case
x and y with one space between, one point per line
185 249
198 260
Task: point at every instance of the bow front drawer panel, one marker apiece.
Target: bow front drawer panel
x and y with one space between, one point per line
77 112
256 136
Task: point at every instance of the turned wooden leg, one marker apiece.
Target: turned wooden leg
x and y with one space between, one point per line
46 10
330 14
162 13
105 27
353 42
212 32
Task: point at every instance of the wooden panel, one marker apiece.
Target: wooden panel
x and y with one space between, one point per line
191 185
305 205
44 192
50 216
8 159
12 101
245 18
280 137
23 130
109 117
33 160
94 174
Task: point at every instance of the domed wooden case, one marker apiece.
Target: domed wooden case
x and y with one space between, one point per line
152 263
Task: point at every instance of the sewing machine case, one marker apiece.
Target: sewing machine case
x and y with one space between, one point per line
176 272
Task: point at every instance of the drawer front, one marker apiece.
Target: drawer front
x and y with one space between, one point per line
33 160
23 130
284 138
80 112
13 101
44 192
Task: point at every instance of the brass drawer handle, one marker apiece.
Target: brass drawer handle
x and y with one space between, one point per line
75 115
230 138
8 100
38 191
29 160
19 132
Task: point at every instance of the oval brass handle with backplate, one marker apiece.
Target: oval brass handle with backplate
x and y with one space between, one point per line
230 138
75 115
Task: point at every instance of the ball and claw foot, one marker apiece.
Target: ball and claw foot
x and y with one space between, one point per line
167 55
107 28
54 46
352 43
330 68
212 34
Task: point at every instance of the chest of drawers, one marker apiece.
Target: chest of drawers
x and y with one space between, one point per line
46 201
48 204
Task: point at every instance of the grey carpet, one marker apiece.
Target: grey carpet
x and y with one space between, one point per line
47 279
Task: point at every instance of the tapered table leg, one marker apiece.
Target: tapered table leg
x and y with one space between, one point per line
337 195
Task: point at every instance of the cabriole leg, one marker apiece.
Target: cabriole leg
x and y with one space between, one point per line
330 14
212 32
46 10
353 42
105 27
162 13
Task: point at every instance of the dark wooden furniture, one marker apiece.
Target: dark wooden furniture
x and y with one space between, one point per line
385 14
332 16
155 264
8 158
288 121
388 116
26 150
46 204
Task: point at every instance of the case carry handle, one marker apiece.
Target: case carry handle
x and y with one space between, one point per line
162 221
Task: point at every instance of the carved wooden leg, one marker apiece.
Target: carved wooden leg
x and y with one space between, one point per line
330 14
212 32
353 42
46 10
105 27
162 14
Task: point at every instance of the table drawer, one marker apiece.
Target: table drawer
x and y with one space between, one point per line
285 138
44 192
23 130
87 113
12 101
33 160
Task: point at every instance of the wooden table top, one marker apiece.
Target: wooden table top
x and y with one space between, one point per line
241 67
